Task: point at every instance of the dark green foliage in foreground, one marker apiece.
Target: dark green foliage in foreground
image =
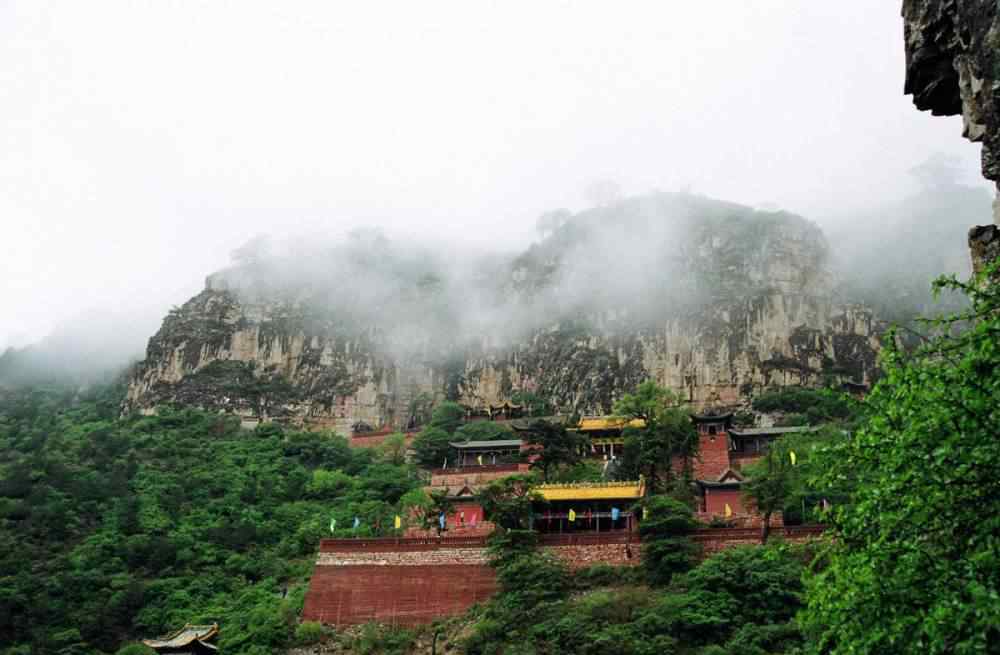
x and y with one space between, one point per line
115 529
915 563
508 501
666 549
742 600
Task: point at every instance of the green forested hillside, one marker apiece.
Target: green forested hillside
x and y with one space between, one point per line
114 529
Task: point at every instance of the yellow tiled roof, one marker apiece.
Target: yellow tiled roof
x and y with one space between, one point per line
592 490
589 423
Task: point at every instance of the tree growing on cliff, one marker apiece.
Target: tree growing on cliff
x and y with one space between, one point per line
667 435
447 416
393 449
508 501
432 446
771 483
914 563
554 446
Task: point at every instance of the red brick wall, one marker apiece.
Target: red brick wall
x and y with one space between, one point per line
395 595
414 581
716 500
713 455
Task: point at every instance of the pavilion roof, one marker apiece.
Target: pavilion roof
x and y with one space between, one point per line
593 490
711 417
186 636
495 444
506 405
596 423
730 478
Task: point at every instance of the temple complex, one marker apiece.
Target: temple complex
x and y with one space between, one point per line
428 574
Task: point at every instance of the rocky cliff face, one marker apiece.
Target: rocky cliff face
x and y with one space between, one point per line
725 302
952 67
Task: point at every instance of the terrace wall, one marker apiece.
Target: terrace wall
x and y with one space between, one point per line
412 581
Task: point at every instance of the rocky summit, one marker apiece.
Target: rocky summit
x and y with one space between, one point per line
712 299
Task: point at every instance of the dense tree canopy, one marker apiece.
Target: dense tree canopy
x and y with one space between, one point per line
113 529
668 434
915 563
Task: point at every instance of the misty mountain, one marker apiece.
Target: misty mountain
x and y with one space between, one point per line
711 298
889 258
94 347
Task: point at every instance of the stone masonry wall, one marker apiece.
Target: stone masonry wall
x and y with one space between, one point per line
415 581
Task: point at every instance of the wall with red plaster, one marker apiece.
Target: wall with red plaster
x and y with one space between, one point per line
414 581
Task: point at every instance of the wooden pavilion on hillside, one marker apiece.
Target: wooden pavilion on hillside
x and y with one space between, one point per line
189 640
486 453
606 433
588 506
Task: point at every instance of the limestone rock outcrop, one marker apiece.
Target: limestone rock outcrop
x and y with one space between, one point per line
713 300
953 67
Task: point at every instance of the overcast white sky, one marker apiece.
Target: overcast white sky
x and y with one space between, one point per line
140 142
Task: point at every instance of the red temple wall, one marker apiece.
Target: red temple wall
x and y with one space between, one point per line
415 581
713 456
716 500
395 595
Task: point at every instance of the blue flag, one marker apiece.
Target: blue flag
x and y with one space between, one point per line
441 520
614 513
357 522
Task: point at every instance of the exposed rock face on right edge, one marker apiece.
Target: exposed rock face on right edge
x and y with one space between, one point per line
952 67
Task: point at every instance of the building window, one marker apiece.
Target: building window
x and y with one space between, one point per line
712 429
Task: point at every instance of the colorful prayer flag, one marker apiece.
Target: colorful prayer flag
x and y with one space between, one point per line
614 513
399 522
729 511
479 458
441 520
645 513
791 456
572 516
333 525
357 522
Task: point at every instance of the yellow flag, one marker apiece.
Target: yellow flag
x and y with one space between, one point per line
791 456
645 512
572 515
479 459
399 522
729 511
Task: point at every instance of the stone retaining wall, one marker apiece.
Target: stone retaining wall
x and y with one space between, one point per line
414 581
